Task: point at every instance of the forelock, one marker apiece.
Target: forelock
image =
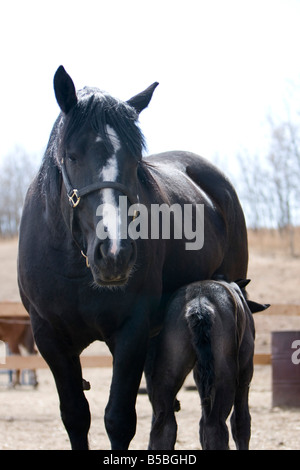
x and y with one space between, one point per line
102 110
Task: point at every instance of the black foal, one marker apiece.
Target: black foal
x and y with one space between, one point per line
208 327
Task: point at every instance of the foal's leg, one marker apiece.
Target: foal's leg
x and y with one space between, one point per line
66 370
241 419
174 360
213 430
164 426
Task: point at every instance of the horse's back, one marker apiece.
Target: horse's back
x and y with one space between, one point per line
189 173
200 170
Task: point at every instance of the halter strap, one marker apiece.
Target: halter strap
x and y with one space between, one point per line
74 195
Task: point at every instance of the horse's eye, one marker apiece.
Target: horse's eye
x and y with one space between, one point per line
71 157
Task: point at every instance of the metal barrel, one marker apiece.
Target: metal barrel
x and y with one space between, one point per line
286 368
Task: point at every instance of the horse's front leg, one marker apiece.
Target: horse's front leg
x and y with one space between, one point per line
129 348
66 369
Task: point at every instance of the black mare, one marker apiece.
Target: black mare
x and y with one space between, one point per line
208 327
82 281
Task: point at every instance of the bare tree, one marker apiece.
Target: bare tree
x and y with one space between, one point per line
284 163
270 186
254 191
16 173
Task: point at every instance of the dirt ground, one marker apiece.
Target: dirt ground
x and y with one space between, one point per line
29 418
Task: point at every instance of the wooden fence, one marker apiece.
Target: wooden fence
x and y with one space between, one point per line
14 311
10 310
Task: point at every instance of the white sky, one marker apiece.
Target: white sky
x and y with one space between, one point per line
223 66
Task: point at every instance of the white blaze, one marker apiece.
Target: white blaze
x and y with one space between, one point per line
111 218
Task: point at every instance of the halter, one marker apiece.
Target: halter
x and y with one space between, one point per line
75 195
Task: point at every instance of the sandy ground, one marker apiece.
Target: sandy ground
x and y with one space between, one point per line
29 419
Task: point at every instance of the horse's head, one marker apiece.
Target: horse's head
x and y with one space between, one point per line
99 149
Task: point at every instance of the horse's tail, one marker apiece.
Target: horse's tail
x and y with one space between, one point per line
200 319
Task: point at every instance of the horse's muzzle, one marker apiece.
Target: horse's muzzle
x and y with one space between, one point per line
111 265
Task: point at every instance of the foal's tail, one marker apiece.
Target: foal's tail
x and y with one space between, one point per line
200 318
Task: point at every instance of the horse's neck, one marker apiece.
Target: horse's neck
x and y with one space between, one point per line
49 188
147 181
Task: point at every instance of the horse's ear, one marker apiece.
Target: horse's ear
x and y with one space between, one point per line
242 282
64 88
256 307
141 101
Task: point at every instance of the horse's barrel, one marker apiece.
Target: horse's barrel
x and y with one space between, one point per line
286 368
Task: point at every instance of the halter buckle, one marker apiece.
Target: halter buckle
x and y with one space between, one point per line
74 199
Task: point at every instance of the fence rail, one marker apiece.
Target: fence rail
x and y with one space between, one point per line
13 309
16 309
15 362
10 310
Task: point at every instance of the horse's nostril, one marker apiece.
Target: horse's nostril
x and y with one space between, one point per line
99 252
106 250
124 256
